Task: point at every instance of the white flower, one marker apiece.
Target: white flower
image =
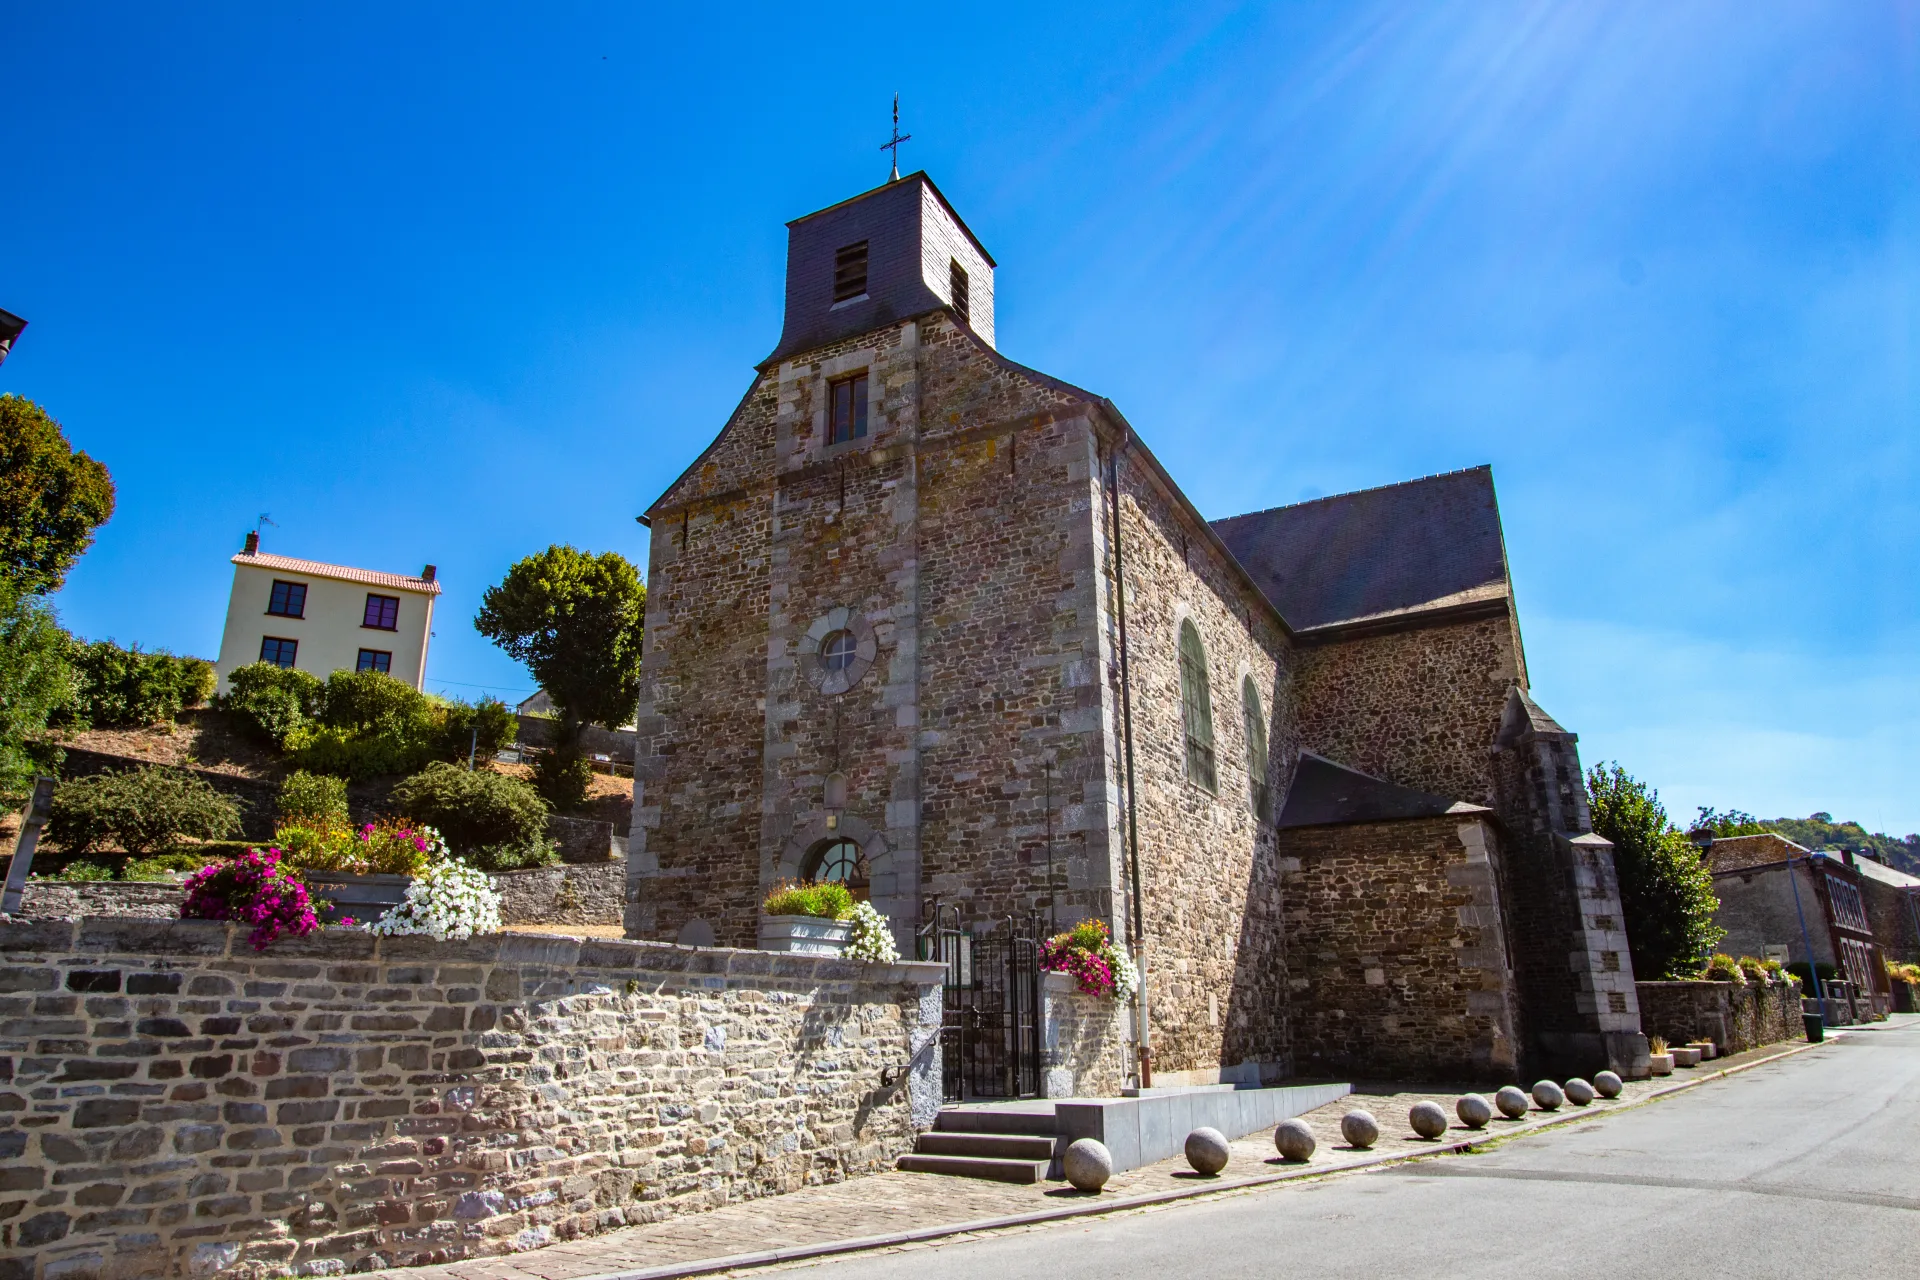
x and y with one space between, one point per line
447 900
1125 977
870 937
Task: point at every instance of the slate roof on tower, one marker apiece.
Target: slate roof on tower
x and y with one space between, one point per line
1378 554
912 237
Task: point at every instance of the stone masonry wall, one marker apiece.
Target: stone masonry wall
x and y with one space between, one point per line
1086 1041
1417 707
1210 885
589 893
1395 954
173 1103
1735 1018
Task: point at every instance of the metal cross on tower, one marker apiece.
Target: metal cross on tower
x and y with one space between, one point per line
893 144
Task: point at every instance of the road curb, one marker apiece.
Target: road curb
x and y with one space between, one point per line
1094 1208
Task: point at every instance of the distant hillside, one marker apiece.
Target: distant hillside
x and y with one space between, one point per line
1819 831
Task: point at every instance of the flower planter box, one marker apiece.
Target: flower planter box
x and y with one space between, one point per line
1685 1055
1661 1064
365 898
1707 1050
804 935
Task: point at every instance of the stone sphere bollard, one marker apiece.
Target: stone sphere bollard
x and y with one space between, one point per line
1474 1111
1579 1092
1359 1128
1088 1164
1427 1119
1548 1096
1607 1085
1294 1141
1207 1150
1512 1102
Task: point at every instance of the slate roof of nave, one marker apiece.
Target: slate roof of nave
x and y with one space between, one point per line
1324 793
1421 544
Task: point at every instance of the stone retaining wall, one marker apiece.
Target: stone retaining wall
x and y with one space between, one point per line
173 1103
592 893
1085 1039
1735 1018
72 899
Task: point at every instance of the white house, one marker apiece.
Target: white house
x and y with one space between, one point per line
326 617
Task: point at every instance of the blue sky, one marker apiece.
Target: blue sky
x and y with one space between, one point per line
453 283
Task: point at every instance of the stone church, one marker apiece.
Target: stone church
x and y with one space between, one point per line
931 622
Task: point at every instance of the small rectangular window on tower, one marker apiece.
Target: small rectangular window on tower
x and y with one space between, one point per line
850 272
957 275
847 412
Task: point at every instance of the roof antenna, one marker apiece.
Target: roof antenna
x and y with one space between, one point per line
893 143
263 522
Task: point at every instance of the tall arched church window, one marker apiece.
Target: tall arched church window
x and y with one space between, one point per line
1196 705
839 861
1256 749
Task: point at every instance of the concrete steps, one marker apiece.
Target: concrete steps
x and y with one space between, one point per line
1003 1144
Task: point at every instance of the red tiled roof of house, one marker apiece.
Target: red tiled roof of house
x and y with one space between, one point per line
339 572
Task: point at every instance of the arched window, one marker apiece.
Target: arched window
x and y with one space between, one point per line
1256 748
838 860
1196 706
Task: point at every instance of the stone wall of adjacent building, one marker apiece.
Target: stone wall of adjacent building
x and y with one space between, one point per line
1418 707
172 1102
1733 1016
1395 953
1216 967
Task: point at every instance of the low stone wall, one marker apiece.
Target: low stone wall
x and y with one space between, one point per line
591 893
70 900
173 1103
583 894
1085 1039
1735 1018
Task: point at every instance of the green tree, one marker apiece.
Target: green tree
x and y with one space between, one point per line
36 680
1665 888
51 498
576 620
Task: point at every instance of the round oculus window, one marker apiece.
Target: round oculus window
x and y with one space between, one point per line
838 650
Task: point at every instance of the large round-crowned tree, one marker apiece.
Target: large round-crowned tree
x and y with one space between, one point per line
576 620
52 497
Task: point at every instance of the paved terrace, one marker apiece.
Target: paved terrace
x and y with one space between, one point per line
886 1206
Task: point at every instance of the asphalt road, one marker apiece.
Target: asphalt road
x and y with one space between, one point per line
1808 1166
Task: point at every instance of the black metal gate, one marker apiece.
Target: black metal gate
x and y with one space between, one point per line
990 1026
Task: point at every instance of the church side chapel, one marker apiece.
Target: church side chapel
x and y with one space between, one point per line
940 627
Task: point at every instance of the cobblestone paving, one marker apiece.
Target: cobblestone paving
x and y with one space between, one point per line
893 1202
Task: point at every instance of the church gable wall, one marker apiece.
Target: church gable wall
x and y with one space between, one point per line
1418 707
1210 888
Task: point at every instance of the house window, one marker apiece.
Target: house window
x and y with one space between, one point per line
957 277
375 660
1196 705
848 415
277 651
383 613
850 272
289 599
1256 748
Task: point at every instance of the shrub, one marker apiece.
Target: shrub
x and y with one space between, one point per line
79 870
167 866
1724 968
143 810
562 776
313 800
1801 974
1754 968
480 813
388 848
117 688
480 729
825 899
273 701
254 889
542 852
346 754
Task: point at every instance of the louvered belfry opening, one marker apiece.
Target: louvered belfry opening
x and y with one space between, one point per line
850 271
957 276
